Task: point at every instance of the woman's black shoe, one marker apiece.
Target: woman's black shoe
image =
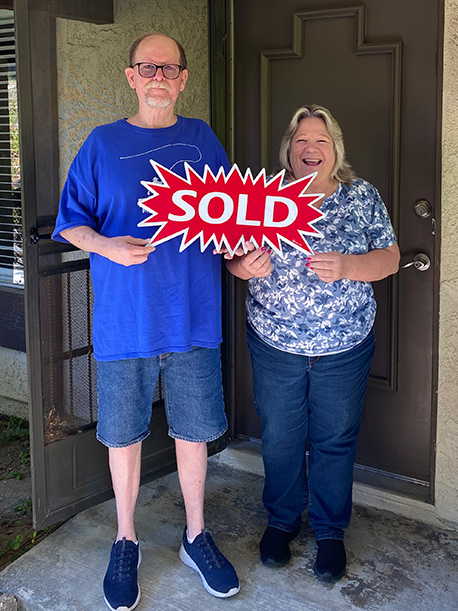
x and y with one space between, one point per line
274 546
331 560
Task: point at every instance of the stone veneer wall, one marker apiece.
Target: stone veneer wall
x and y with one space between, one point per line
92 86
447 433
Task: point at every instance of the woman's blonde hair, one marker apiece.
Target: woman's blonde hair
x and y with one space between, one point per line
342 170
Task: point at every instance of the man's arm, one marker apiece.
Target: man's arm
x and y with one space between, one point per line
124 250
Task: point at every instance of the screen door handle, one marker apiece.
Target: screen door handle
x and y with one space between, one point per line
35 236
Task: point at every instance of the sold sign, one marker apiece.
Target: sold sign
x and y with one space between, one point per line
229 210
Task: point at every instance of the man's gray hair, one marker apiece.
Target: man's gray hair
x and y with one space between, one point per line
342 170
135 44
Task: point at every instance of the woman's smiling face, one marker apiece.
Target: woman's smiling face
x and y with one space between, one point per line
312 150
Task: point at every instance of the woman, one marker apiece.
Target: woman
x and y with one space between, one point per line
311 340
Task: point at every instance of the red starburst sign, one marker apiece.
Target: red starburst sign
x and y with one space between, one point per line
229 210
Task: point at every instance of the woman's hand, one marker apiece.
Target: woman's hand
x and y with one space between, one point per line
368 267
238 252
254 264
328 266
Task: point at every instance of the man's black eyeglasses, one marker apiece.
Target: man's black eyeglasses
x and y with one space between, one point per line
148 70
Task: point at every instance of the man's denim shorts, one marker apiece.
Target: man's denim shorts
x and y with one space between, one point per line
192 392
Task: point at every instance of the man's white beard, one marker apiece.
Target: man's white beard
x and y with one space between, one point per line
156 102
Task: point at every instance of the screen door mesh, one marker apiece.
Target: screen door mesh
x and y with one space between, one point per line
69 367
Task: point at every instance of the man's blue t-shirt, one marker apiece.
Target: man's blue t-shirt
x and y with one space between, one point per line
172 301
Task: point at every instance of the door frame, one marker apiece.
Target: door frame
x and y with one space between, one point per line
222 88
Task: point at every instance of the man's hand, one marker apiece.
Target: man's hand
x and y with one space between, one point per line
127 250
124 250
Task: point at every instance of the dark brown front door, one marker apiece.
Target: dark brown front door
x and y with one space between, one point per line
374 65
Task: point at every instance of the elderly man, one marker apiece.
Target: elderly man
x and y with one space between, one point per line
156 310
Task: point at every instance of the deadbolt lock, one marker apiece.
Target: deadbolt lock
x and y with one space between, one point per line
423 208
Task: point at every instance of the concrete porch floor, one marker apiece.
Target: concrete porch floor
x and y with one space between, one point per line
394 564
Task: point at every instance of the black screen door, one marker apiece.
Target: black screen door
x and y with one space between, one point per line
69 466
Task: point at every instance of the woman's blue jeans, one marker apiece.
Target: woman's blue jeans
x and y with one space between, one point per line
314 399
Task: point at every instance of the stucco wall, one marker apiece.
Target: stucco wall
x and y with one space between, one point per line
92 87
13 383
447 433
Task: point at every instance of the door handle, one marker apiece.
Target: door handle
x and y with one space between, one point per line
421 262
35 236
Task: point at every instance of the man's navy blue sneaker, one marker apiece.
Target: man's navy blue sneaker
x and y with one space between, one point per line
217 573
120 586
